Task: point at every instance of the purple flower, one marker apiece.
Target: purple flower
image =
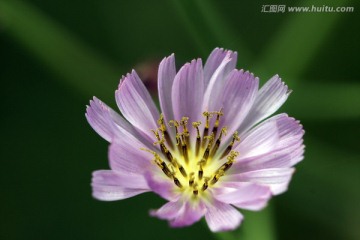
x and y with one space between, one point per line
211 149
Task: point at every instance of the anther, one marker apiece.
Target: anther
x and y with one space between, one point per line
195 191
207 150
207 116
217 121
201 170
163 129
205 185
235 139
218 141
216 177
175 124
198 137
191 179
183 123
177 182
182 170
184 149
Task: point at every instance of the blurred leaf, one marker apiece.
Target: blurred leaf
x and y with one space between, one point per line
58 50
184 9
297 41
225 36
319 101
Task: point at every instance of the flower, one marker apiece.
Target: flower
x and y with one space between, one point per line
211 149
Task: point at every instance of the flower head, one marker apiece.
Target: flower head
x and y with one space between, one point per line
211 149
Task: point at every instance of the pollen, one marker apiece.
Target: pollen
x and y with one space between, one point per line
194 162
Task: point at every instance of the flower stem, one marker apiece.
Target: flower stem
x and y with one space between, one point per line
259 225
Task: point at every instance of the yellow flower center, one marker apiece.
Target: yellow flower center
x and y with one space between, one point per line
194 169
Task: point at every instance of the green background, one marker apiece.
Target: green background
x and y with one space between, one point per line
56 55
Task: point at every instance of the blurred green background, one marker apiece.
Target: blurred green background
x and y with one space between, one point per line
56 55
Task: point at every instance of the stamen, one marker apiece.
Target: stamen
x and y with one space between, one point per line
183 123
205 185
201 163
207 115
162 128
207 150
191 179
235 139
182 170
218 141
217 175
195 191
177 182
184 149
217 121
173 162
231 160
162 166
163 148
198 137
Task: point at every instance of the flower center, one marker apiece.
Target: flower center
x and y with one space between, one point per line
194 165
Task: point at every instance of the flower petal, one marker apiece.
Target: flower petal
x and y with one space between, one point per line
214 89
222 217
276 178
168 211
107 186
162 186
261 139
214 60
121 179
269 99
136 104
189 214
166 76
238 97
105 121
108 123
188 91
125 155
180 213
280 158
246 195
286 150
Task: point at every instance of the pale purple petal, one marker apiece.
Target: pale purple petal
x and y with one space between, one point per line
276 178
215 87
188 91
269 99
222 217
125 155
238 97
214 60
102 118
166 76
136 104
168 211
162 186
109 124
287 148
261 139
189 214
280 158
249 196
121 179
180 213
107 186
